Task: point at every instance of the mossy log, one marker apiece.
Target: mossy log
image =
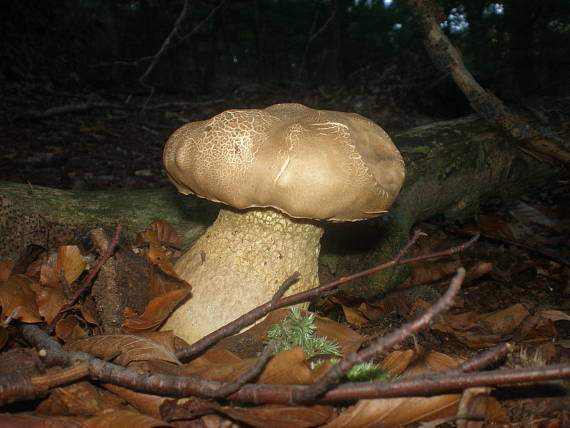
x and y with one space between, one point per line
452 168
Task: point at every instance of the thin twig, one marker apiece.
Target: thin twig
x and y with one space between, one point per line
90 276
164 47
285 286
545 253
251 374
484 359
93 272
338 372
259 312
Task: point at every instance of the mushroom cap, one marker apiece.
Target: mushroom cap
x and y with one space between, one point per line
307 163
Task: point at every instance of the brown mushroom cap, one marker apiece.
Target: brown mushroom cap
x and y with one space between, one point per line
307 163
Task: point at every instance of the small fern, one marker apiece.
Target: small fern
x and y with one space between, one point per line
299 330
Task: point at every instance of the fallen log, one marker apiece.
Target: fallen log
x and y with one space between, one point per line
453 168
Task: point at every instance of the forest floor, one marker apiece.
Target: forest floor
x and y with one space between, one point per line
518 287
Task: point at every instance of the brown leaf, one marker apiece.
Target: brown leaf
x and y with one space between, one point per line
218 364
347 338
5 269
30 421
393 412
124 419
145 403
278 416
463 321
288 367
18 299
50 299
161 282
79 399
124 348
155 312
158 258
397 361
165 233
353 316
69 259
491 225
70 328
505 321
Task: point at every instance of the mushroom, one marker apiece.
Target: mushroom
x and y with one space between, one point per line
278 171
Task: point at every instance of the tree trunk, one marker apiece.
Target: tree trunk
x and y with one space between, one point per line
452 168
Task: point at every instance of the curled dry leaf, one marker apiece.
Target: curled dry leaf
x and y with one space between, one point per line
165 233
123 348
154 313
18 300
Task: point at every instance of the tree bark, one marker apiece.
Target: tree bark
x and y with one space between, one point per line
452 168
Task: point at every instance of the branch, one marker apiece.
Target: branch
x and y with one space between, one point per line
447 59
19 388
165 44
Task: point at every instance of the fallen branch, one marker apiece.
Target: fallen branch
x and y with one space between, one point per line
178 386
447 59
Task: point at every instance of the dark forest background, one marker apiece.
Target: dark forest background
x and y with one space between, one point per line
85 59
517 48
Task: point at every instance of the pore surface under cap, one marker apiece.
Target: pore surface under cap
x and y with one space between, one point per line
307 163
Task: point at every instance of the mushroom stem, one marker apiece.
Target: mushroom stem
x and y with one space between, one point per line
239 263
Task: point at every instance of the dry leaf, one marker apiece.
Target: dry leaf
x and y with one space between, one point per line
279 416
288 368
505 321
69 259
165 233
463 321
50 299
394 412
124 419
123 348
30 421
353 316
70 328
347 338
155 312
145 403
397 361
219 365
5 269
161 282
491 225
79 399
18 300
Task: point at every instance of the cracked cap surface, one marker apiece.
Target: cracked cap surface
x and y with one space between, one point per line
307 163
